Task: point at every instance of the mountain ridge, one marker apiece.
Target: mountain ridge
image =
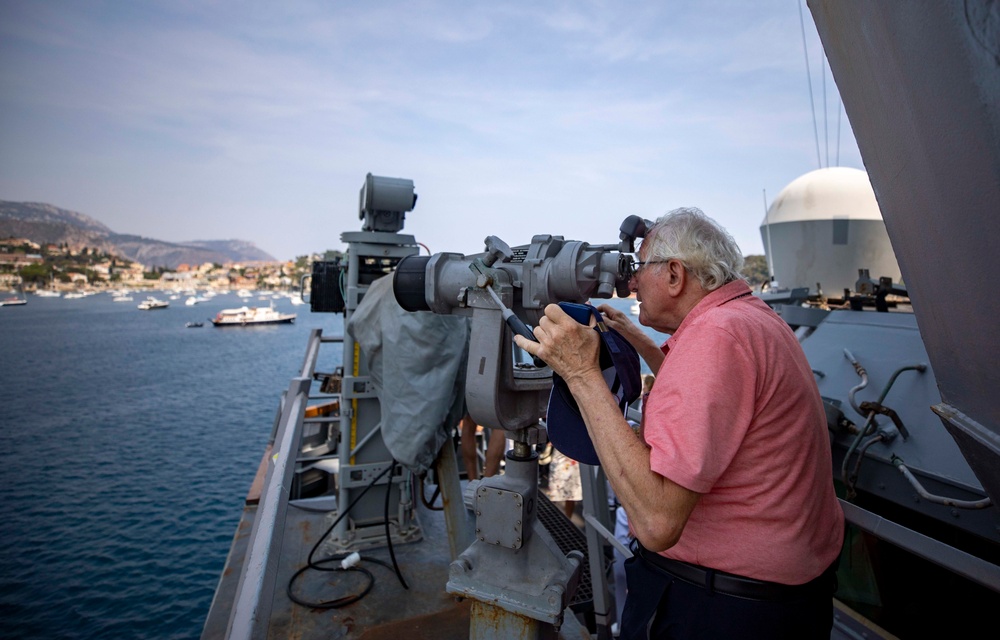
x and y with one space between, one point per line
48 224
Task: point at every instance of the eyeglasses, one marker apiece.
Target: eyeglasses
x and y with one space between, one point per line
636 266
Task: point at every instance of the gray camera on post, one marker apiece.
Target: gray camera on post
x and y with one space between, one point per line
383 203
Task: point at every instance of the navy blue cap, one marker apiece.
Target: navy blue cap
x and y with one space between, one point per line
619 364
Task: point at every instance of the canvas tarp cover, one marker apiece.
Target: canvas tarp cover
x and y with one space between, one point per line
417 363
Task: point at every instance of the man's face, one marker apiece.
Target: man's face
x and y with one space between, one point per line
650 286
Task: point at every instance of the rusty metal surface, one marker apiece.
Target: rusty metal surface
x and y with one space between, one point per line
423 610
493 622
389 611
448 623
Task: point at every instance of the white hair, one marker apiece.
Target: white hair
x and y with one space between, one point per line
700 243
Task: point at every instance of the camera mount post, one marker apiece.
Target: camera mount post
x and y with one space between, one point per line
372 253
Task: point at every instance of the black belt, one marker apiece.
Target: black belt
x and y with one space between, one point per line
735 585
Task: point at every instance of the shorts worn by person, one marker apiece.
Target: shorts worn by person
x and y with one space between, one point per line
564 486
730 492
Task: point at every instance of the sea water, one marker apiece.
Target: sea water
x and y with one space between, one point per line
127 444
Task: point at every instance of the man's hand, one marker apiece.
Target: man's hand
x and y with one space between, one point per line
571 349
619 321
644 345
657 508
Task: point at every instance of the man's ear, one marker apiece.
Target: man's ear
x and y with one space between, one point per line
676 276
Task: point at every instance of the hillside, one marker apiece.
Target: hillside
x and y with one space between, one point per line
237 250
47 224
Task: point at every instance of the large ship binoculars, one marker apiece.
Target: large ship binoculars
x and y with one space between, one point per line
550 269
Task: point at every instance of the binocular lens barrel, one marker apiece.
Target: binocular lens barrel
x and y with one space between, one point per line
408 283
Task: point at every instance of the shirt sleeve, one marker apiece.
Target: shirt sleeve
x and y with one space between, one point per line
701 408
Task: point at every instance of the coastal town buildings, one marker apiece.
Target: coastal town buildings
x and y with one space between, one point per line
29 266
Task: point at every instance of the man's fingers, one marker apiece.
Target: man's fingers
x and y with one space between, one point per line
555 313
610 312
528 345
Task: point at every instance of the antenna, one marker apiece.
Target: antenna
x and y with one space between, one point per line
826 120
767 226
838 126
812 103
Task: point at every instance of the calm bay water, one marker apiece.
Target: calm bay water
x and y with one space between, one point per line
127 445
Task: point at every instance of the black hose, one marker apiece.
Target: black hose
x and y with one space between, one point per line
388 537
345 512
337 602
429 504
850 451
853 478
317 565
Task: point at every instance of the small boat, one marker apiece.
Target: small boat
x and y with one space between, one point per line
13 301
194 325
122 298
251 315
153 303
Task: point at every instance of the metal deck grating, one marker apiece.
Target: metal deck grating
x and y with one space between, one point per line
568 537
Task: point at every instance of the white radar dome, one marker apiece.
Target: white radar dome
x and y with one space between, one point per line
825 226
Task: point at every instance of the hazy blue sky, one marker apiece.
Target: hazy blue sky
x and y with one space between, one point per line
185 120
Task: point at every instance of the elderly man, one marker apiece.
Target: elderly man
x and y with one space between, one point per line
729 488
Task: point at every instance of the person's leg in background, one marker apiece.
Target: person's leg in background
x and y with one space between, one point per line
495 450
470 458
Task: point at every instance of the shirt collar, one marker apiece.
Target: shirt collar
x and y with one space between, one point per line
716 298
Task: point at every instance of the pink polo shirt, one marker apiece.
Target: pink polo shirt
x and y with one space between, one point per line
736 416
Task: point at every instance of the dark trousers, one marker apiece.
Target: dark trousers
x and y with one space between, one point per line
662 606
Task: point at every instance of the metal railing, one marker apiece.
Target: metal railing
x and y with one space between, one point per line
251 612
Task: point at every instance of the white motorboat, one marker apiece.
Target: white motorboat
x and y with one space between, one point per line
153 303
243 316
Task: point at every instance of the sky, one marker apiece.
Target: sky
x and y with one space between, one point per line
205 120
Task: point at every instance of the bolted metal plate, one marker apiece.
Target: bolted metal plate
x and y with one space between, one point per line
500 517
